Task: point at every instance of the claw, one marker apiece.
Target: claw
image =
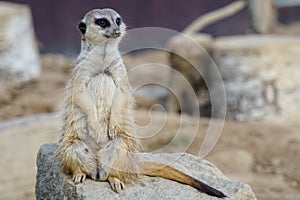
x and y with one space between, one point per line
79 178
116 184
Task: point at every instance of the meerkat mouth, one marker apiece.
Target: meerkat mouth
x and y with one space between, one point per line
112 35
107 36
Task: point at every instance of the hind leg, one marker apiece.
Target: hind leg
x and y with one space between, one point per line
118 164
72 165
77 158
109 156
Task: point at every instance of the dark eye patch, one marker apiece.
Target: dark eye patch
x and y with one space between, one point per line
102 22
118 21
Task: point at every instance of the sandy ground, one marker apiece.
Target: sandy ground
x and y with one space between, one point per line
264 155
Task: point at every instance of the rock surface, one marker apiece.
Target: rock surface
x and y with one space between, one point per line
19 60
260 76
52 184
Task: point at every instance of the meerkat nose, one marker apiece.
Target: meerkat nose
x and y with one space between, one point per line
116 33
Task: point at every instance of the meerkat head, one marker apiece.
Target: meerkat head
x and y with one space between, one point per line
100 25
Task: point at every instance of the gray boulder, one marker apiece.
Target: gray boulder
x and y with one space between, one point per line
19 58
260 74
51 183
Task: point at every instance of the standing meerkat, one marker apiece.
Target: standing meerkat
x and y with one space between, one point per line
98 131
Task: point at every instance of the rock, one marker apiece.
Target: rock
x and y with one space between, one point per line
51 183
259 74
190 59
19 59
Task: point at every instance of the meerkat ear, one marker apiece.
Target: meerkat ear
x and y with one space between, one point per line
82 27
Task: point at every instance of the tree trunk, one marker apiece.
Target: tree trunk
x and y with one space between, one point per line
263 15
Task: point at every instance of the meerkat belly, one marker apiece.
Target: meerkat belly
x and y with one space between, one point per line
102 90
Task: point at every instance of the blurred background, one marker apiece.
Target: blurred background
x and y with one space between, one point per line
55 21
254 44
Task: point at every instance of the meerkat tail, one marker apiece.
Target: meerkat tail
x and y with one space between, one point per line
167 172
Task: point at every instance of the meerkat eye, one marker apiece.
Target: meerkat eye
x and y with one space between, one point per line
118 21
102 22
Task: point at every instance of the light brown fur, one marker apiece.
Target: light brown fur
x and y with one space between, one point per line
98 131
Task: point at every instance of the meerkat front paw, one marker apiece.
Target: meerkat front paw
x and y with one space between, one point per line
112 132
79 178
116 184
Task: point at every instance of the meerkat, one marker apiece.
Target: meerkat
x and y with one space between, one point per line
98 131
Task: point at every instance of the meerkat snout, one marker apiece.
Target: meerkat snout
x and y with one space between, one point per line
116 33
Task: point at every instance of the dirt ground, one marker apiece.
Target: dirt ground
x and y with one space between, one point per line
264 155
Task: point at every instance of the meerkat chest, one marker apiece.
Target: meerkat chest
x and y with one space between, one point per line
101 88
